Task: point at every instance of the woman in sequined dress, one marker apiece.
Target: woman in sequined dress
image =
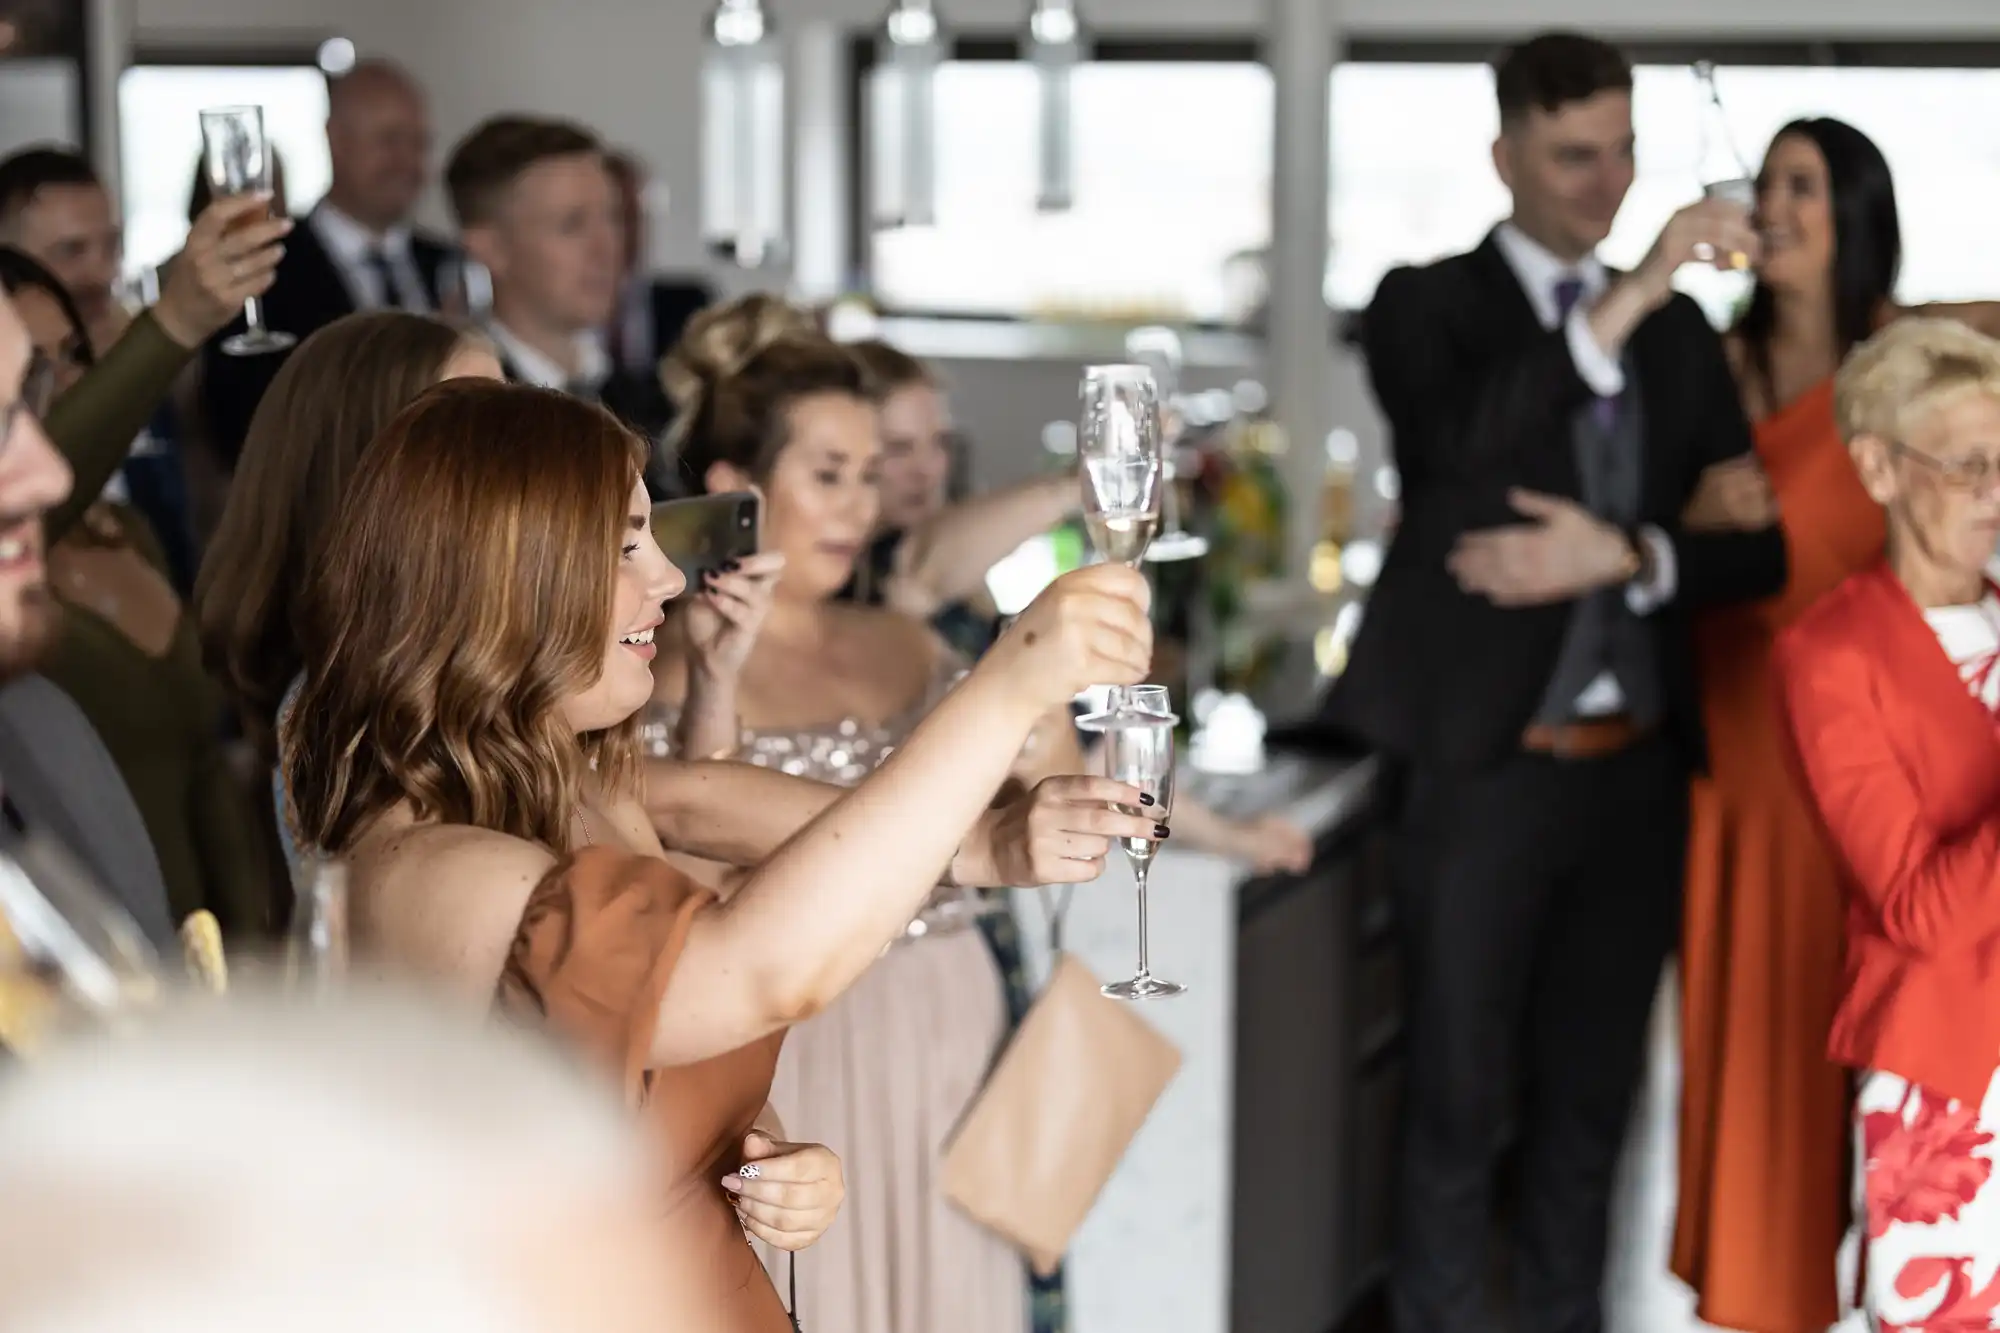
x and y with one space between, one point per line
830 687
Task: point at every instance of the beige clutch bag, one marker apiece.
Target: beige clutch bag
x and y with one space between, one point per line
1057 1113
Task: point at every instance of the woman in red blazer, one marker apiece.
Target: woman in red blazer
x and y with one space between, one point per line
1891 686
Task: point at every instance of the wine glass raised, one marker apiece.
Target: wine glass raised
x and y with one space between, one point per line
1119 461
236 158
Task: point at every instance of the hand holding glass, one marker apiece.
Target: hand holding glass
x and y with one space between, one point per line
1141 752
1119 459
236 158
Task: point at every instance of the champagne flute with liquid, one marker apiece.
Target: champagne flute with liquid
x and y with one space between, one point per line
1140 752
1120 461
1158 348
1724 173
236 158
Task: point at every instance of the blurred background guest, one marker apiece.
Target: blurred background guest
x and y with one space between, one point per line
1890 689
455 1179
357 249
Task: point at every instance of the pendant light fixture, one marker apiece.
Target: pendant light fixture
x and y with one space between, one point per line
903 173
1055 48
743 136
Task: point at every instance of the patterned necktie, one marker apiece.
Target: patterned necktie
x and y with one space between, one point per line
1569 290
385 278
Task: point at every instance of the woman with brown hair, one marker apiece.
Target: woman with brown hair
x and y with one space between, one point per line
477 639
327 402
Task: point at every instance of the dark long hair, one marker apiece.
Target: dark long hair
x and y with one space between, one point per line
20 273
328 402
1867 242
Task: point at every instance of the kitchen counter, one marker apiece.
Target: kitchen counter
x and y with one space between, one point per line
1160 1251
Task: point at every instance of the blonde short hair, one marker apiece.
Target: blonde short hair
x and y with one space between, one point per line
1912 367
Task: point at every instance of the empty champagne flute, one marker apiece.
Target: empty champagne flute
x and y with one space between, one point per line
1119 459
236 157
1140 752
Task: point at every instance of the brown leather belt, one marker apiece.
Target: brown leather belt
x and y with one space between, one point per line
1587 738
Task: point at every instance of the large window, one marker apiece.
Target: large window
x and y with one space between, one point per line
1412 175
159 110
1173 166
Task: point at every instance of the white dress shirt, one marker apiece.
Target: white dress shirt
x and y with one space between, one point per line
349 244
1539 271
593 364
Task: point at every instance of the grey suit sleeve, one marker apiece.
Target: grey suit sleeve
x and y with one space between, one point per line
57 772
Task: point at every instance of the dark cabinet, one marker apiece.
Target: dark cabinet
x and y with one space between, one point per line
1318 1080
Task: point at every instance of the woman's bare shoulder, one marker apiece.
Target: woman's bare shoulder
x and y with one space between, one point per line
447 899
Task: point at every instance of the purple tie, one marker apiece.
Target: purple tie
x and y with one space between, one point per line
1569 291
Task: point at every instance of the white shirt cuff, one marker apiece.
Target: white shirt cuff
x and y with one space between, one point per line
1645 598
1600 370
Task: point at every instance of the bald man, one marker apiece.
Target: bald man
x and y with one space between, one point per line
357 250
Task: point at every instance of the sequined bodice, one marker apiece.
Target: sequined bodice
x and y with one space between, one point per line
842 753
845 752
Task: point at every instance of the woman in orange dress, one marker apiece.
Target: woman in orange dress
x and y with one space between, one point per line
477 634
1764 1146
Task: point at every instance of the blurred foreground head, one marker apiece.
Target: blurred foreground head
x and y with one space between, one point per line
362 1164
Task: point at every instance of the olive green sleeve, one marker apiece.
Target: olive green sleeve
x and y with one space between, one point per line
93 425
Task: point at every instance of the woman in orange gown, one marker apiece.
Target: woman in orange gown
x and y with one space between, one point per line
1764 1135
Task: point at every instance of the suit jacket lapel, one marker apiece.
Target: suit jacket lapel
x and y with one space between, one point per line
319 272
1505 301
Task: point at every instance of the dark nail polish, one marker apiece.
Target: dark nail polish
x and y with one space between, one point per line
1160 831
731 566
1146 800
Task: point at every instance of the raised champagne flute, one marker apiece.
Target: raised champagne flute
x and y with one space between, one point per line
1724 173
1119 460
1140 752
236 158
1158 348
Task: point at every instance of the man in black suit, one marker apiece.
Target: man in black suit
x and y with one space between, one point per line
356 249
1526 661
539 210
652 310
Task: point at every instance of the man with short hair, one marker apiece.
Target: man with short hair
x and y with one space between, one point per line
1526 663
356 249
55 775
538 208
54 209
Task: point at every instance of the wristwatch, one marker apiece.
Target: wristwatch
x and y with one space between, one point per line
1639 558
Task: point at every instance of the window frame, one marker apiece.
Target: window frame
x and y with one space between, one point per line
995 46
1001 46
292 53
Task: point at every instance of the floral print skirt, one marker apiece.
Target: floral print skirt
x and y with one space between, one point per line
1928 1208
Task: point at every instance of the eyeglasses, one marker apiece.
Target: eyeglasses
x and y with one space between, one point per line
1967 472
38 391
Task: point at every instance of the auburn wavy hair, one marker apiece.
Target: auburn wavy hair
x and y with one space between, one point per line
330 399
461 594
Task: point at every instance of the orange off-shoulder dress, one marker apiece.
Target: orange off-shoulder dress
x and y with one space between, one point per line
596 947
1764 1131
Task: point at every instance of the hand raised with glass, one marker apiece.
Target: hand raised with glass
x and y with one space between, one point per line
1089 627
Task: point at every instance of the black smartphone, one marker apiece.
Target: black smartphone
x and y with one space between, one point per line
705 533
